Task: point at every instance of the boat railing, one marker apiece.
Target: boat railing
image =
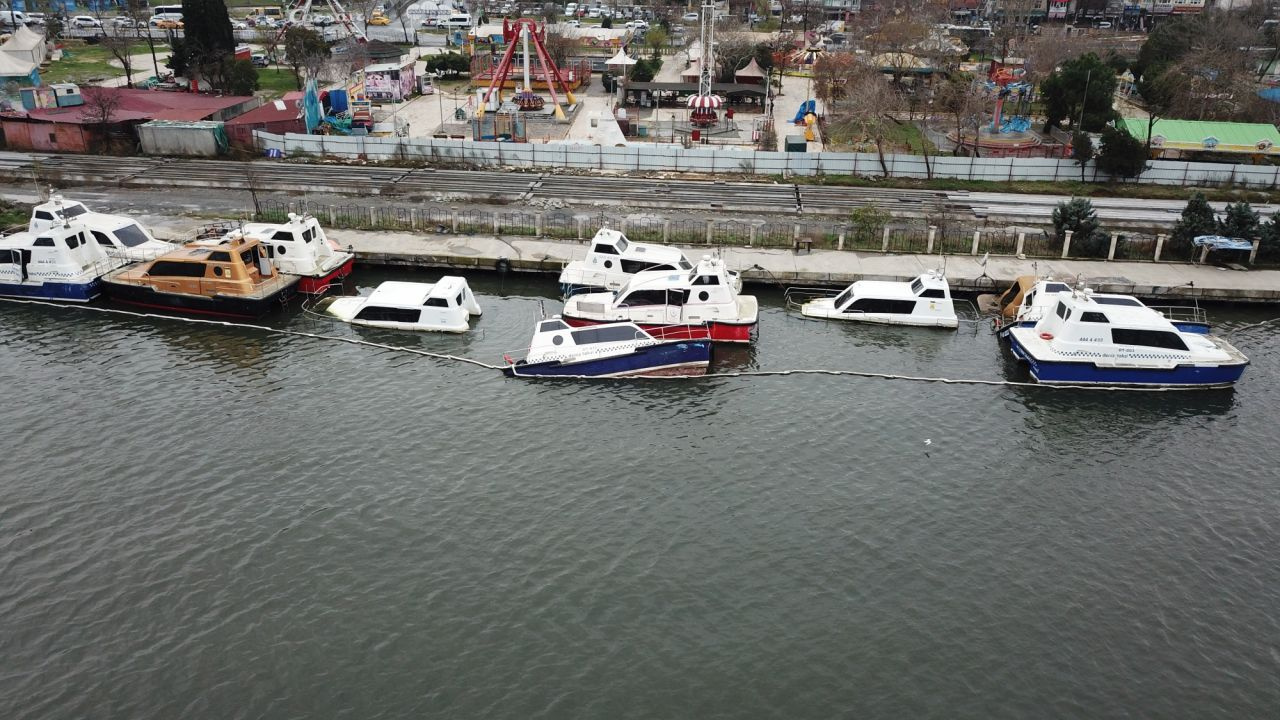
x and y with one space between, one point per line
795 297
1182 313
216 230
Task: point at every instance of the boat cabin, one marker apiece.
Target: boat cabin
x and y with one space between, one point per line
237 267
612 250
119 235
445 306
1088 321
924 301
1025 293
298 246
63 253
557 339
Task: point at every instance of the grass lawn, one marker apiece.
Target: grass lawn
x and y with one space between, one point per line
85 64
274 82
908 137
13 214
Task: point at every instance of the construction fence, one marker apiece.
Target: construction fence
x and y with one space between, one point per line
763 233
646 157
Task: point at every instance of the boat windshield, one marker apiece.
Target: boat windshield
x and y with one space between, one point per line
842 298
916 286
71 211
622 245
617 333
684 265
132 235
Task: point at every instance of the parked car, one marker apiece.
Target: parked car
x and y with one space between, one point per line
168 24
637 25
322 20
1103 25
690 17
124 22
35 19
379 20
573 23
84 22
259 60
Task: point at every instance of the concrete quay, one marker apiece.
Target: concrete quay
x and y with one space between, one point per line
829 268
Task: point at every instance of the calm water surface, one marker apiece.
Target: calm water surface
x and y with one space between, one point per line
214 522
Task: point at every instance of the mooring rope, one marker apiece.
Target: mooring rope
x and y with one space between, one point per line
489 366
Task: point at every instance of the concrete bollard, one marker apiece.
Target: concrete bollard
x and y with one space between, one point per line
933 233
751 239
666 231
840 241
1159 247
579 228
977 236
1066 244
453 219
541 218
1204 254
1022 243
495 223
333 217
1111 251
884 241
1253 254
710 230
623 226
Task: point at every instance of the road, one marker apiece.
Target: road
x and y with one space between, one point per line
555 190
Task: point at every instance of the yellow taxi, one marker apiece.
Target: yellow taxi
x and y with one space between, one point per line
379 19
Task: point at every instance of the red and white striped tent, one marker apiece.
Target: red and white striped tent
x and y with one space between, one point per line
705 102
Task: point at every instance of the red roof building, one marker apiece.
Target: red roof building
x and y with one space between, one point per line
279 116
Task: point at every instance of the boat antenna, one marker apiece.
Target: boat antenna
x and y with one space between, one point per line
542 310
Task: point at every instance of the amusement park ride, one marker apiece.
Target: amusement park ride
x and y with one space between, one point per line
1007 82
524 30
301 10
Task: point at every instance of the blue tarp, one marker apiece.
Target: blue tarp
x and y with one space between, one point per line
1218 242
311 106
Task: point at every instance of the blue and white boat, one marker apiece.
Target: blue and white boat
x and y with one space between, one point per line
1096 339
58 263
621 349
1029 298
119 236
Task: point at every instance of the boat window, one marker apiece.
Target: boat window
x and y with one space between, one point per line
1030 299
934 293
677 297
1148 338
170 268
73 241
916 286
43 242
10 256
248 256
436 302
706 280
618 333
1061 310
71 211
622 245
42 215
605 249
131 235
1128 302
843 297
644 297
1095 317
551 326
306 235
375 313
458 301
634 266
684 265
101 238
877 305
1056 287
285 235
219 256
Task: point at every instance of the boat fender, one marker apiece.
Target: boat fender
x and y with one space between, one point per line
1046 336
502 265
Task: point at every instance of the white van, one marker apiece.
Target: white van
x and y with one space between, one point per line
13 18
454 22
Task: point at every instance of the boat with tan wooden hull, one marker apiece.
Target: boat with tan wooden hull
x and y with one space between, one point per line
232 279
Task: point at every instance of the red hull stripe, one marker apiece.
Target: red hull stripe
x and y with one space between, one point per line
317 285
720 332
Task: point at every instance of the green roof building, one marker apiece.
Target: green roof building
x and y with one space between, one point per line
1175 137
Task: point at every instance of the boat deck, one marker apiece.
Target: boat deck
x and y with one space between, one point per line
133 275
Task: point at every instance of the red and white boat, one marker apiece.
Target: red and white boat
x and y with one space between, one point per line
704 297
297 247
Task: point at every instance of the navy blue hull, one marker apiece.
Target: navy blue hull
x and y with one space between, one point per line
222 305
72 292
1086 373
685 357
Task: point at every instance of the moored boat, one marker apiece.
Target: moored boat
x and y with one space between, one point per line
58 262
298 246
703 296
613 259
620 349
233 278
924 301
1092 339
118 235
443 306
1025 302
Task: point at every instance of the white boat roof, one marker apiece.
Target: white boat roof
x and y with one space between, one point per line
1120 309
412 294
24 238
93 220
648 251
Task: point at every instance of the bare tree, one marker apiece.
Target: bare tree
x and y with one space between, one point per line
401 9
364 9
964 101
100 106
119 43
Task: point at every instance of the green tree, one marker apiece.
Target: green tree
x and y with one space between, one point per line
1197 219
1240 221
450 63
1078 216
1166 43
656 39
606 23
302 48
1085 83
1121 154
1081 150
241 77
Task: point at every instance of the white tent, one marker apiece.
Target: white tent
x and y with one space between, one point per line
25 45
13 67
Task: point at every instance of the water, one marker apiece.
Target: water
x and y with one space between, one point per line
212 522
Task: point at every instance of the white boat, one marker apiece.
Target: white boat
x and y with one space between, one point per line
703 296
1103 339
120 236
61 262
297 247
924 301
612 260
1029 298
612 350
444 306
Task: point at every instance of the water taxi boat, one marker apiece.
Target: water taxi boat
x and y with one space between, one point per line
612 260
924 302
59 262
705 295
1097 339
444 306
297 247
120 236
1029 298
234 278
609 350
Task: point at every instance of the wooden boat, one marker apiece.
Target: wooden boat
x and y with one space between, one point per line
233 279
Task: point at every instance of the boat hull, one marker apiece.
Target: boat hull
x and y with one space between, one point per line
317 285
721 332
221 305
1089 373
680 358
1187 326
67 292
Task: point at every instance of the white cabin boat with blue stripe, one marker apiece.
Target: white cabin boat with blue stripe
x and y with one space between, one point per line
444 306
609 350
56 263
1030 298
1103 339
119 236
612 260
922 302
